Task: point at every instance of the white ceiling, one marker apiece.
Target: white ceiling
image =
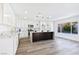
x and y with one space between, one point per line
55 10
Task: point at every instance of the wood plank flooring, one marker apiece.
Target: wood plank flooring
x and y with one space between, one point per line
50 47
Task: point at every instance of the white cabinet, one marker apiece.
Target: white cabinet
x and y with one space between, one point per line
8 15
8 40
8 45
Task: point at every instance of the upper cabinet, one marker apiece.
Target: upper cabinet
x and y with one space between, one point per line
8 15
0 13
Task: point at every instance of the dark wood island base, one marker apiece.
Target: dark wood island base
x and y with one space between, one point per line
40 36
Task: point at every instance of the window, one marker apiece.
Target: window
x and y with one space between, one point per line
59 27
75 27
68 28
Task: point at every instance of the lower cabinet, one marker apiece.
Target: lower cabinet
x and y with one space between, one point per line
39 36
8 46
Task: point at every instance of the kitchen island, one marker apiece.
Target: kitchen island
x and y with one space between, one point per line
41 36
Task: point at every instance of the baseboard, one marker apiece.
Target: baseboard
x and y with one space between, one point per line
24 38
66 39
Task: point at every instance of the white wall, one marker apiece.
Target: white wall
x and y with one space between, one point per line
66 35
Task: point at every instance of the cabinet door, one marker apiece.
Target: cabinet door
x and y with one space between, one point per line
6 46
35 37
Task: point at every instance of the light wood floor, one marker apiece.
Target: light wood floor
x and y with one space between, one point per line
49 47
